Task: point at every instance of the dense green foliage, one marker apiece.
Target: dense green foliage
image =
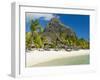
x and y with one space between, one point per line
28 40
53 37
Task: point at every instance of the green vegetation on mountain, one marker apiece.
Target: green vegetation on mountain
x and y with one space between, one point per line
54 35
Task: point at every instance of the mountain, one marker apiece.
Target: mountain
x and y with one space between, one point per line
55 28
55 35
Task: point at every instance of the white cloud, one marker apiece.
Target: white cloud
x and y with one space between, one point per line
40 15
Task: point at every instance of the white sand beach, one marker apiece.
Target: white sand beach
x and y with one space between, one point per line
36 56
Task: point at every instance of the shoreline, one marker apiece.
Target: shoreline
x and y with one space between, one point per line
36 56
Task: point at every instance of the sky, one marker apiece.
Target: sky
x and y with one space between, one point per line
78 23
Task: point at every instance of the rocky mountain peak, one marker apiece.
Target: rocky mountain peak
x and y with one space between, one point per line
55 28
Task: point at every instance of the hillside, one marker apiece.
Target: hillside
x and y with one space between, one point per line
54 35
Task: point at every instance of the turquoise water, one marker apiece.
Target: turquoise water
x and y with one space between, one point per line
76 60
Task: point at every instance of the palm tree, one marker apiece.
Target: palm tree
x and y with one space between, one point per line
34 26
83 43
35 30
28 40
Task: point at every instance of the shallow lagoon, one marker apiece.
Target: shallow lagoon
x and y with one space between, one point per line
75 60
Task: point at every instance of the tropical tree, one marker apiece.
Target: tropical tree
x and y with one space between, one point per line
83 43
37 40
28 40
74 40
35 29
